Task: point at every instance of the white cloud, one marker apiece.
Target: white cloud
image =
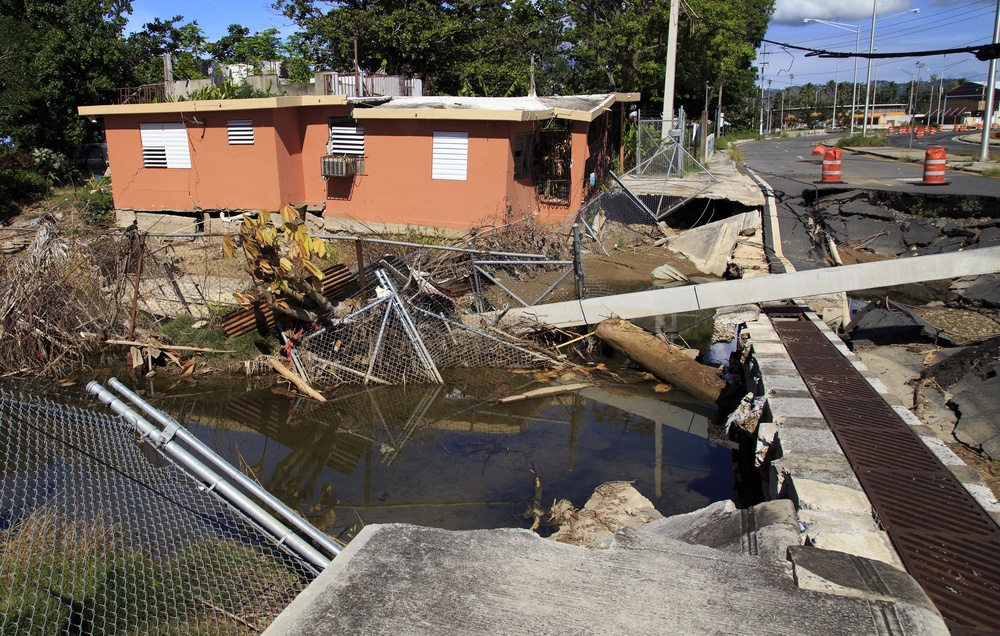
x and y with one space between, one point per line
792 12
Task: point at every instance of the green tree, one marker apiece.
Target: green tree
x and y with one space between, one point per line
470 47
298 59
54 56
184 42
238 46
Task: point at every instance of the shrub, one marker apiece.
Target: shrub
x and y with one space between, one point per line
98 205
54 166
19 181
860 141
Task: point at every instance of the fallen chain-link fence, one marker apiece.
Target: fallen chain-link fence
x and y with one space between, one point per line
397 340
100 536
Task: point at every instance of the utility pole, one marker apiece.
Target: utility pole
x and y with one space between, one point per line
669 73
769 103
916 88
763 67
868 79
718 112
991 81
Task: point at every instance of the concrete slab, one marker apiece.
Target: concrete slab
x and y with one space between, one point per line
399 580
766 529
708 247
851 575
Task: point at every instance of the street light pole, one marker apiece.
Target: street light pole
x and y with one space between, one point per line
868 79
916 88
991 81
836 85
871 51
857 49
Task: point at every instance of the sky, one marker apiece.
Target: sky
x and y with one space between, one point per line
939 24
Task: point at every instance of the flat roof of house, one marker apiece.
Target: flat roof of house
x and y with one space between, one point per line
216 105
573 107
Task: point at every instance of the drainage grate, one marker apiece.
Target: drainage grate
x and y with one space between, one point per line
946 540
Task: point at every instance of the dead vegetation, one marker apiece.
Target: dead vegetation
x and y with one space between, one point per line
62 297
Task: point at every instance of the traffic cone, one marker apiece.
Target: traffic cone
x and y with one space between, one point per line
934 161
831 165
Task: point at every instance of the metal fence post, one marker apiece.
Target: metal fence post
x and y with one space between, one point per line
578 263
360 252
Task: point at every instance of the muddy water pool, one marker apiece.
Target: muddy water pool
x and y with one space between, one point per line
447 456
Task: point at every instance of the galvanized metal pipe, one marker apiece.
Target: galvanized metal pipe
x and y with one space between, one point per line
211 479
172 427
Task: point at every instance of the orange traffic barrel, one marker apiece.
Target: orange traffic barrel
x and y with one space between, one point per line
819 150
920 133
956 128
931 130
891 130
934 161
831 165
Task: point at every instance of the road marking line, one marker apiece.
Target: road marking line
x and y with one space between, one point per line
772 215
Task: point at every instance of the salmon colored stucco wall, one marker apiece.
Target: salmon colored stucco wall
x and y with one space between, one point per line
397 187
283 166
264 175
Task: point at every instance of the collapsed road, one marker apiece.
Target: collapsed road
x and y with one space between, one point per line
679 572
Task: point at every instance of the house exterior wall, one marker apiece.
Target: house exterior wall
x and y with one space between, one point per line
283 166
264 175
397 187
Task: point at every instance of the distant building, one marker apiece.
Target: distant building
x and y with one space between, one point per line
441 162
965 104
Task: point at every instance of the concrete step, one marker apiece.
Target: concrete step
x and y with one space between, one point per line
401 579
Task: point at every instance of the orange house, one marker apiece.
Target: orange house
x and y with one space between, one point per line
438 162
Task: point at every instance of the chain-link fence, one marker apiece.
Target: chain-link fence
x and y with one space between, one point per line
99 536
398 339
183 275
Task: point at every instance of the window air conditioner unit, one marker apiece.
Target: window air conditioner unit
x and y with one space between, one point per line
342 165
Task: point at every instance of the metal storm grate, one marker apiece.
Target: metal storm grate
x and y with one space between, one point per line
946 540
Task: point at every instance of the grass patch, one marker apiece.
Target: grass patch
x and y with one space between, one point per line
729 138
181 331
860 141
66 576
735 153
992 172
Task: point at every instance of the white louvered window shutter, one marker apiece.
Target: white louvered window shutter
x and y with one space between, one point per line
450 156
346 139
164 146
240 132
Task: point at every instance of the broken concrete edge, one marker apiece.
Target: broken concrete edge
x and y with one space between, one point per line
845 574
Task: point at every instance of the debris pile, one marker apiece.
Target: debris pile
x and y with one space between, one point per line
61 298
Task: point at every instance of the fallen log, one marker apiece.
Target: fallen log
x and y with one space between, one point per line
299 383
664 360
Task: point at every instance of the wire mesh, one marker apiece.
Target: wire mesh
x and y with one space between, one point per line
501 281
397 340
186 275
97 537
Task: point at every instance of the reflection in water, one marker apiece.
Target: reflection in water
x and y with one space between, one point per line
443 456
